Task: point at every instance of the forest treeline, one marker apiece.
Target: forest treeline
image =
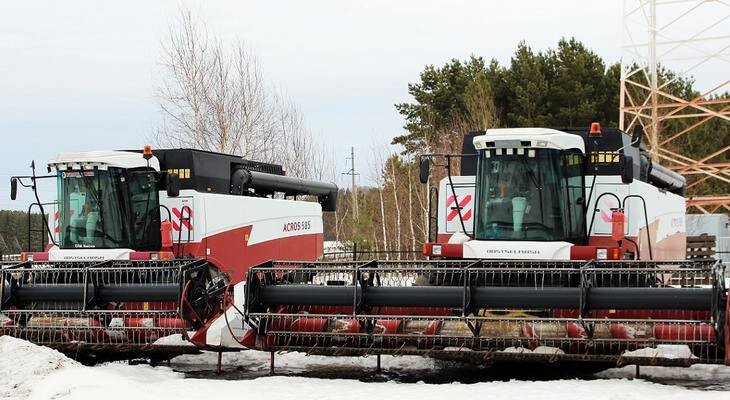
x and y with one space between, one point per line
14 232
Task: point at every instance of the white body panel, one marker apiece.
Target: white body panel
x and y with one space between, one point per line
666 208
101 159
602 218
448 219
215 213
56 254
539 137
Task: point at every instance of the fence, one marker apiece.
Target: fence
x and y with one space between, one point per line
355 255
9 257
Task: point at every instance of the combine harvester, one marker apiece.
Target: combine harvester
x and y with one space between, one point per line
147 244
553 245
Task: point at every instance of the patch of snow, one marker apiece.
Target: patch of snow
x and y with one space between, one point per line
668 351
117 381
23 363
537 350
456 349
172 340
547 350
516 350
695 373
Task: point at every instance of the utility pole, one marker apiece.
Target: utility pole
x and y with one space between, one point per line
353 191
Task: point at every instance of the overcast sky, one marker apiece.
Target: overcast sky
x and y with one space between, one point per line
81 75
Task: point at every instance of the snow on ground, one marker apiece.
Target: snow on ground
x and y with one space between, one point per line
32 372
23 363
258 360
698 375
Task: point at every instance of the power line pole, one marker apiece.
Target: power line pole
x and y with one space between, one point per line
691 40
353 191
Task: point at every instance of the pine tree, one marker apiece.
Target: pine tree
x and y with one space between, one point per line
578 93
441 102
528 84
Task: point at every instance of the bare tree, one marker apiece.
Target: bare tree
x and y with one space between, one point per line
15 245
382 216
377 168
411 220
3 245
214 97
394 184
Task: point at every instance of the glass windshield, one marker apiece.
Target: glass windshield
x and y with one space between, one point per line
529 194
112 208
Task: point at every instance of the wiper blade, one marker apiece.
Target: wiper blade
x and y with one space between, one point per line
531 174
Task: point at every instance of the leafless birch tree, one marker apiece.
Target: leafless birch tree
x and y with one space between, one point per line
214 97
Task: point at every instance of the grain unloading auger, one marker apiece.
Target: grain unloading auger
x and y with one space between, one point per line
485 311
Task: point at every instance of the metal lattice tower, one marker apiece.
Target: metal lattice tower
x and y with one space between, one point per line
692 39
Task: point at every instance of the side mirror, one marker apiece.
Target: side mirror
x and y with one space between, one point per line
423 170
627 169
637 136
13 188
172 184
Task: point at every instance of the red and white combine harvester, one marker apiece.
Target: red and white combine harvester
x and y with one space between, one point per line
552 245
148 244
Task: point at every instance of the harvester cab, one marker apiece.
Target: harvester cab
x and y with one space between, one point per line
107 202
568 194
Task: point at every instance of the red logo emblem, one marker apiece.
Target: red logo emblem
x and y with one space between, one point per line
177 215
453 211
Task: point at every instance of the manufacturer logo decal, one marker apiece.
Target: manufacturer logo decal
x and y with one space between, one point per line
297 226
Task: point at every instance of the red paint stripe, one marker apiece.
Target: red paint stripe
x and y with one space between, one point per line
467 216
186 223
462 204
231 253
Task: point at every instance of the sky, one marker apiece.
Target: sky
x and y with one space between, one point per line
81 75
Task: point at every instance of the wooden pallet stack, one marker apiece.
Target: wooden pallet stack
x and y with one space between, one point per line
701 247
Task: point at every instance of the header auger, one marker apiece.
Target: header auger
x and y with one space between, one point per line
118 305
485 311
